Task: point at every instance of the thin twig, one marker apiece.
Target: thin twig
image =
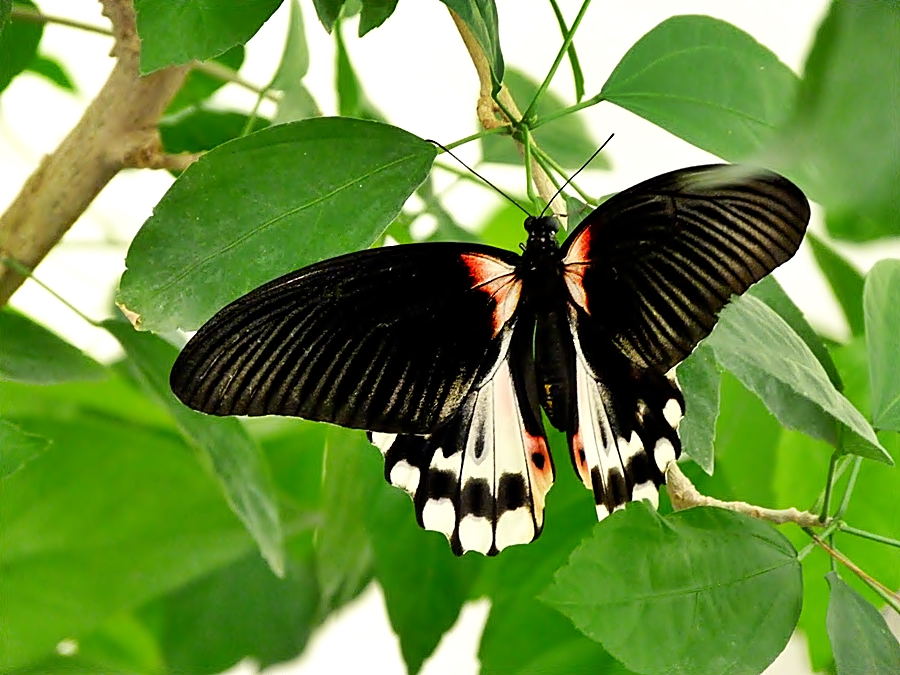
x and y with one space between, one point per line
684 495
226 74
34 16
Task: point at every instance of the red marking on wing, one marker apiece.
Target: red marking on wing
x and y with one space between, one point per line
579 459
499 281
576 263
540 470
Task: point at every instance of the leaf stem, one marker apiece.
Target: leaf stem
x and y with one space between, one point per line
561 171
34 16
562 112
529 186
829 486
869 535
475 137
577 75
529 112
851 483
25 272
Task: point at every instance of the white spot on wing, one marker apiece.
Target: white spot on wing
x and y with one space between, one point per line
383 441
602 511
405 475
672 413
631 447
439 516
475 534
647 491
663 453
514 527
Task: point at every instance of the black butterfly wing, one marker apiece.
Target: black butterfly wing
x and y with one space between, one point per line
482 477
390 339
655 264
648 273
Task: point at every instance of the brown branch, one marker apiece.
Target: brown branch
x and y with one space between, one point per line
684 495
853 567
491 116
117 131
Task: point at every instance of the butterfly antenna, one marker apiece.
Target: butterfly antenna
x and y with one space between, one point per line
583 167
513 201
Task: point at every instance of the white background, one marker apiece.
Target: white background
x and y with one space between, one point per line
416 70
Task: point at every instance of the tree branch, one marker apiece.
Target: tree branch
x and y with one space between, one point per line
684 495
490 115
117 131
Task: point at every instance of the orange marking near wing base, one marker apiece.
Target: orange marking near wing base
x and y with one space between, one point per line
580 460
499 281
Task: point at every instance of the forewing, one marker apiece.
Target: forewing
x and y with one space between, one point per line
481 479
655 264
390 339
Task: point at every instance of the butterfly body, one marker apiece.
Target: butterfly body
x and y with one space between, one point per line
447 353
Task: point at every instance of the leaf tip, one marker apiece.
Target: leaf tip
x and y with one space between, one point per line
133 317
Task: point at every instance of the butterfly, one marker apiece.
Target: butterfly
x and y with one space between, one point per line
446 353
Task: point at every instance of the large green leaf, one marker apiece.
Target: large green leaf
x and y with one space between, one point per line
480 16
328 11
31 353
201 129
683 594
699 378
223 443
17 448
111 515
294 62
883 339
19 42
238 611
770 292
760 349
860 638
374 13
845 280
261 206
567 139
423 599
352 100
843 143
5 10
178 31
53 71
707 82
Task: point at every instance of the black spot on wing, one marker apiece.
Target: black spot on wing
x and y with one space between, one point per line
511 493
476 499
440 485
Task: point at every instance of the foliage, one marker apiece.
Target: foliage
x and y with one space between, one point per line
162 541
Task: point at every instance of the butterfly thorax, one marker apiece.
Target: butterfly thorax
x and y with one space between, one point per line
541 257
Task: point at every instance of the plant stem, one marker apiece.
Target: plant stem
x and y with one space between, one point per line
558 169
226 74
562 112
529 187
475 137
251 118
869 535
463 175
34 16
529 112
25 272
851 483
577 75
829 486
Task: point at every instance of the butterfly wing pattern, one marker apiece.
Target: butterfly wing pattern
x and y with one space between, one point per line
445 353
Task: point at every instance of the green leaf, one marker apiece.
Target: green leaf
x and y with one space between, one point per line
762 351
440 579
328 11
883 339
294 62
19 42
52 70
567 139
845 280
17 448
374 13
352 477
223 443
236 612
198 86
200 130
5 10
197 252
699 378
770 292
31 353
843 143
111 515
480 16
862 642
683 594
174 32
857 226
296 104
707 82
